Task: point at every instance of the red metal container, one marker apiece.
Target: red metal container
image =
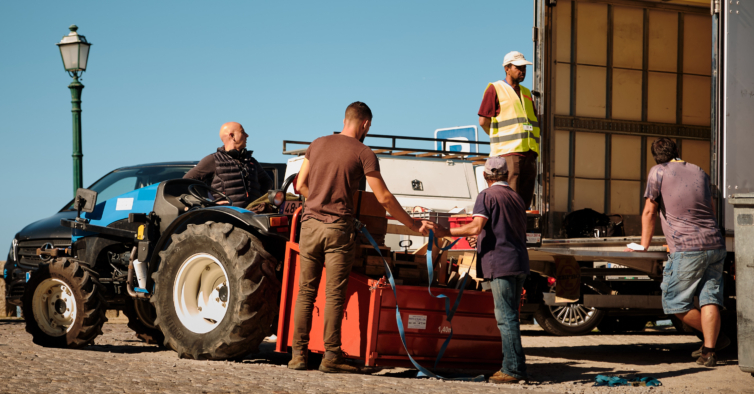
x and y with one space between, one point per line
458 221
369 330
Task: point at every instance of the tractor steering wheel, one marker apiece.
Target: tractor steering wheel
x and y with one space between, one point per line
203 198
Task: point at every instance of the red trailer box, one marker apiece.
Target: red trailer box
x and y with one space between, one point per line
369 330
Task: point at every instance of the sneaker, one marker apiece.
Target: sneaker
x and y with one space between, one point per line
722 342
298 362
337 365
709 361
500 378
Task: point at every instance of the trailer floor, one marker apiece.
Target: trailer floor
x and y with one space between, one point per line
119 363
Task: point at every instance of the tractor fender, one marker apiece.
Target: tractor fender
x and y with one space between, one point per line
257 225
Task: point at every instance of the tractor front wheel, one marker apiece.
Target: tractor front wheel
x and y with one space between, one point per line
64 304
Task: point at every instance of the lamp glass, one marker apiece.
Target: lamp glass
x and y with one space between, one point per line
70 54
83 55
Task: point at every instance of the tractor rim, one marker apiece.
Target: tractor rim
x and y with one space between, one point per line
200 293
54 307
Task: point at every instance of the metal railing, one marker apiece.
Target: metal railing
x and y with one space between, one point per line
396 150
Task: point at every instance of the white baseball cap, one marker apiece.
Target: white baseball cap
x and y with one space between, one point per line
515 58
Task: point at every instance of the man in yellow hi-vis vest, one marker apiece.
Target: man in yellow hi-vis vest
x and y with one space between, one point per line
508 116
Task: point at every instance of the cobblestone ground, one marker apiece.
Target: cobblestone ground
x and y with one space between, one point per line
120 363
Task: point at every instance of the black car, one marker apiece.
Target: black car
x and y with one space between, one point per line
49 234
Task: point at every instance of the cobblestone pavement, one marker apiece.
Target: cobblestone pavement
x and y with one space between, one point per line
120 363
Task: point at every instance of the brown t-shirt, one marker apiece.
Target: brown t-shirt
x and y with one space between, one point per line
490 108
337 163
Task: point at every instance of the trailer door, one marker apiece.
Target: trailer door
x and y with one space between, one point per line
736 97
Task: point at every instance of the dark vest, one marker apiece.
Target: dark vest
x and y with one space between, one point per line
237 178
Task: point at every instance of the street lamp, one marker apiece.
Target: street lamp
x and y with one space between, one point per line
74 49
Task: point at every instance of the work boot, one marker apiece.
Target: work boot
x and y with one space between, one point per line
500 377
709 361
298 362
722 342
333 362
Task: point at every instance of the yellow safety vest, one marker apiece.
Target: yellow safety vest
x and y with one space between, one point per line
516 128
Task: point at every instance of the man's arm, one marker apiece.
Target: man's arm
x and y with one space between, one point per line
388 201
484 122
648 220
204 171
302 181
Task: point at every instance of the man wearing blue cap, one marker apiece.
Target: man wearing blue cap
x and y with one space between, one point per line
499 219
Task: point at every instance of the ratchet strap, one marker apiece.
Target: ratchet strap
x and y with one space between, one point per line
423 372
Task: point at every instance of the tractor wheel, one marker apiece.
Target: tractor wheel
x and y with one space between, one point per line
141 316
212 298
567 320
64 304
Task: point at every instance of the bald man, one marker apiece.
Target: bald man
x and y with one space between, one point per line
232 170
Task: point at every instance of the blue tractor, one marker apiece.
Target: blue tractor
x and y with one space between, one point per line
193 274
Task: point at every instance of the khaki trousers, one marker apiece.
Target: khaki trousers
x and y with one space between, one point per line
329 246
522 175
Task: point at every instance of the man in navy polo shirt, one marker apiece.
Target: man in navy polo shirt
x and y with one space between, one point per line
500 222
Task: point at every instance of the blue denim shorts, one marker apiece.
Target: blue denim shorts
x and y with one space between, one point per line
692 274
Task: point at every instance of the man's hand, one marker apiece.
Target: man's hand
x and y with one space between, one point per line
223 202
471 241
423 227
440 231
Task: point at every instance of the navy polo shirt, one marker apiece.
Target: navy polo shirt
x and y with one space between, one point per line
502 243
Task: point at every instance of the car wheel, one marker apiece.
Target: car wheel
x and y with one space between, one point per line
570 319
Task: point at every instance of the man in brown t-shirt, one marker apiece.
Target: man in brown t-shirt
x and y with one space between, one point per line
330 175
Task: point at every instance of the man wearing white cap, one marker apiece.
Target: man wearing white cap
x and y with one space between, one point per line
508 115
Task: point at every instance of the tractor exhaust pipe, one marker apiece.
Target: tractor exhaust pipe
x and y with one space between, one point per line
130 280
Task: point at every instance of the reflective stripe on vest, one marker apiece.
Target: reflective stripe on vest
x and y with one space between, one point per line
507 133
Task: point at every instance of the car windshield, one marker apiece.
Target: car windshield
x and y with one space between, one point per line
126 180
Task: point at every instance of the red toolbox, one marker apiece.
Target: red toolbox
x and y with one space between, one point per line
459 221
369 330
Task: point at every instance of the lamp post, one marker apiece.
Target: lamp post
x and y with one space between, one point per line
74 49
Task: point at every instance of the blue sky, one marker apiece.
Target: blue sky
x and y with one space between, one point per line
163 76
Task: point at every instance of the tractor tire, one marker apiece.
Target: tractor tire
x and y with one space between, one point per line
212 297
64 304
568 320
141 316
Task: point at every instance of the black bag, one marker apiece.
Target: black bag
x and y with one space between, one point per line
588 223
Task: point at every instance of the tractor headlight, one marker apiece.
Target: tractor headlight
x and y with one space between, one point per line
13 250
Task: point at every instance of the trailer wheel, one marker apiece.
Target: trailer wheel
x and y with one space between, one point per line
64 304
141 315
565 320
212 298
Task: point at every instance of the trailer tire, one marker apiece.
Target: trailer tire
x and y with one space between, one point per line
64 304
212 297
547 318
141 316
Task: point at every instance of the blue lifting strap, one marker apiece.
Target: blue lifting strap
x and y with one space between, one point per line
423 372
